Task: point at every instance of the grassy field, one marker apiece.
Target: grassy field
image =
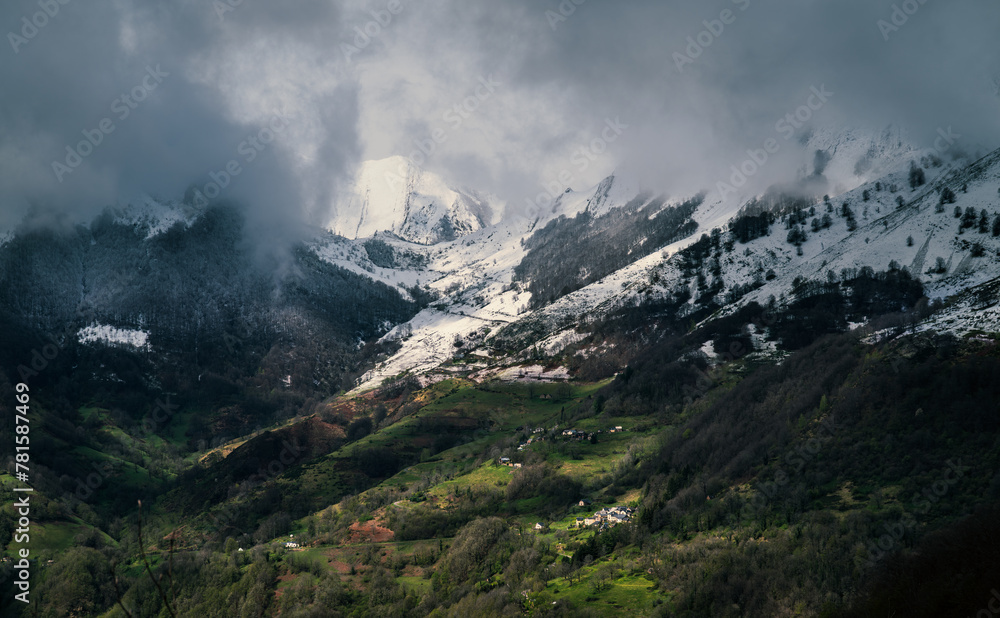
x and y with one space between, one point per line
49 539
488 475
479 416
596 588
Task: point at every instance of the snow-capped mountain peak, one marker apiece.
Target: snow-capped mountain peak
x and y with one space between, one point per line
394 195
894 223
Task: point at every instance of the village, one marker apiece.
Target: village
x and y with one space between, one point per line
572 434
606 517
602 519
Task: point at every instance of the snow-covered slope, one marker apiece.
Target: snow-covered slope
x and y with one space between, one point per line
456 252
833 162
474 278
154 216
478 297
393 195
913 236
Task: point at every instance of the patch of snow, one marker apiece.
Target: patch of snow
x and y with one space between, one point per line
352 256
532 373
109 335
431 343
156 217
560 341
975 310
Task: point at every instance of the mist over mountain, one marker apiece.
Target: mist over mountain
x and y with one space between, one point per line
556 308
509 105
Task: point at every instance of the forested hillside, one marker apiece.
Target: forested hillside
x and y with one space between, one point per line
799 476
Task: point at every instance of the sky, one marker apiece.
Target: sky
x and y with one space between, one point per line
274 105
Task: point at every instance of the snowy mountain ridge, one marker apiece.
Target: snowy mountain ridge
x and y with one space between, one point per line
481 297
393 195
463 260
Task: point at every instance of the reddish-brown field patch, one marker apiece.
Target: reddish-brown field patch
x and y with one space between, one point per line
370 532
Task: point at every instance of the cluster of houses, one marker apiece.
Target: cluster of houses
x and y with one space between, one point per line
573 434
534 438
532 430
584 435
606 517
567 433
576 434
531 440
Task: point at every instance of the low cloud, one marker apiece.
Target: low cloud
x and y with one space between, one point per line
697 83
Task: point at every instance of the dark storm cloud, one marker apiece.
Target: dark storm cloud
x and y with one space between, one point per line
155 97
694 100
694 109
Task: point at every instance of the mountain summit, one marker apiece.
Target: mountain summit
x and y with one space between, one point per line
393 195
